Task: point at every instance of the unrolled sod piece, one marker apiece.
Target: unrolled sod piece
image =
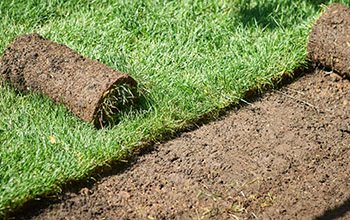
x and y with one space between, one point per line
329 40
91 90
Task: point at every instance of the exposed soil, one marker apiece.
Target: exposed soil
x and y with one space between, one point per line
285 156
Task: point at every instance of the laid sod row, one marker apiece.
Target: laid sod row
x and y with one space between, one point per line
190 58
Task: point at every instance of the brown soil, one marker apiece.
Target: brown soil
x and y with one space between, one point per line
285 156
32 62
329 39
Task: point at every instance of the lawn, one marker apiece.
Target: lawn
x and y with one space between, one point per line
189 57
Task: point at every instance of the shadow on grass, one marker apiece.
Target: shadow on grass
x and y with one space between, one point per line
35 206
336 212
267 14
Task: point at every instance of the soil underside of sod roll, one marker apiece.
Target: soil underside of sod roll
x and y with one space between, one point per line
329 40
91 90
285 156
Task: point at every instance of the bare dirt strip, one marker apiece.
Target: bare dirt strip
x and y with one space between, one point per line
284 156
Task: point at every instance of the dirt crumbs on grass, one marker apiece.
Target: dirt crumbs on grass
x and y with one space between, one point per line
285 156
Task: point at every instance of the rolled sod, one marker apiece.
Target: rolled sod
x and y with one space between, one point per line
329 40
89 89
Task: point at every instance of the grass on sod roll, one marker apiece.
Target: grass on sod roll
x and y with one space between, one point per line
119 98
192 58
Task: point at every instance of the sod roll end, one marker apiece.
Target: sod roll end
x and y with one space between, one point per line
89 89
329 40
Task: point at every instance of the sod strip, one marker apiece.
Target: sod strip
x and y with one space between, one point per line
91 90
329 40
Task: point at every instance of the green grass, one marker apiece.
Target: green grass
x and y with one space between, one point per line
192 58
